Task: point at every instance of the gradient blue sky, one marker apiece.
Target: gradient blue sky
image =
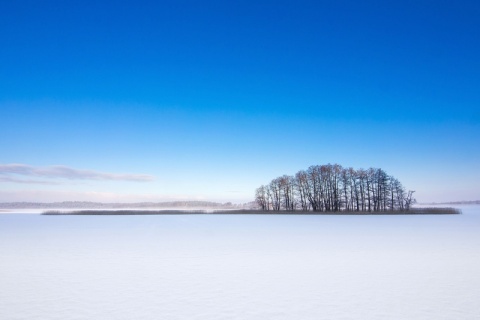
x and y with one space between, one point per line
211 99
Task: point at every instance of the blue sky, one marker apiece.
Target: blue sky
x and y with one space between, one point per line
211 99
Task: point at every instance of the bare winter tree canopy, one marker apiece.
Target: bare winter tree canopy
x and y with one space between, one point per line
334 188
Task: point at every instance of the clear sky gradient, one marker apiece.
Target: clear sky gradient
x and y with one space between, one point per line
210 99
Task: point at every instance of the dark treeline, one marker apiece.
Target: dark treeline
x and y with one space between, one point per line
334 188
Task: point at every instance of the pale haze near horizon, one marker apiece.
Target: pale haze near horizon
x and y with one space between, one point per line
208 101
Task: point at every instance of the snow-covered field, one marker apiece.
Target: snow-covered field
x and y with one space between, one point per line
240 267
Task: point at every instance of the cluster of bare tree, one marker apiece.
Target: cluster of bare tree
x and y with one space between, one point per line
334 188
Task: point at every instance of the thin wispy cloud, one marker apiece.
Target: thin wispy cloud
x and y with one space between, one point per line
26 181
8 173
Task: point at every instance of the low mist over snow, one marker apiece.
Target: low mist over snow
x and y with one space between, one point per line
38 207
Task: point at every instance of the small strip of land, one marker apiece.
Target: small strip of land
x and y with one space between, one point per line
413 211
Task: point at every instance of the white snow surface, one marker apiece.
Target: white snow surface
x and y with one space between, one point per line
240 267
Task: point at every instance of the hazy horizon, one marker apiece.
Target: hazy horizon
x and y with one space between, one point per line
465 201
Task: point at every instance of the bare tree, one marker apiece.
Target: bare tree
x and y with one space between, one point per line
286 185
409 200
261 197
302 186
275 191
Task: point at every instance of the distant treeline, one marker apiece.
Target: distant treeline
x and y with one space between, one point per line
248 212
117 205
332 188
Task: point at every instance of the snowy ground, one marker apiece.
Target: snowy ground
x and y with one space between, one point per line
240 267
